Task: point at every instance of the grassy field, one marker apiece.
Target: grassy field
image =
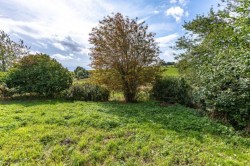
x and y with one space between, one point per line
55 132
171 71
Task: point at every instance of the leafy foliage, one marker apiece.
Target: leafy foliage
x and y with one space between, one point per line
5 92
3 76
172 90
10 51
124 55
87 92
81 73
216 61
39 74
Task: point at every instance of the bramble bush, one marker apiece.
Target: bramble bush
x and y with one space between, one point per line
87 92
215 59
39 74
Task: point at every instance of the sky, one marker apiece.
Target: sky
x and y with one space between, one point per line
60 28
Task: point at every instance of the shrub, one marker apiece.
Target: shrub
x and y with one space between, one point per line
39 74
172 90
143 93
214 57
225 89
3 76
87 92
6 92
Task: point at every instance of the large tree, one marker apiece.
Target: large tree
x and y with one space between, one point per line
124 55
10 51
216 61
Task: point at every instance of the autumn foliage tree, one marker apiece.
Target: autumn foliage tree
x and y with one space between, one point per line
124 55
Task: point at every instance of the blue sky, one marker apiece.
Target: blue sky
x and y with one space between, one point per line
60 28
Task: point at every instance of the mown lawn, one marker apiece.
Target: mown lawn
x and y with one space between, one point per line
55 132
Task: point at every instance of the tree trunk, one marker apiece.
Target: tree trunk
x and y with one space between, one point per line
129 88
3 65
129 96
3 59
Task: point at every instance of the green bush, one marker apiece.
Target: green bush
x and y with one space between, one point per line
3 76
87 92
39 74
172 90
215 58
5 92
226 89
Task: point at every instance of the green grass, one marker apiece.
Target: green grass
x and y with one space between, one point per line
87 133
171 71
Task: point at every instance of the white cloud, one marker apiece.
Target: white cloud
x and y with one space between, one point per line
55 21
181 2
85 51
166 40
144 19
34 52
43 44
156 12
186 13
61 18
158 27
59 46
168 55
46 24
61 57
173 1
176 12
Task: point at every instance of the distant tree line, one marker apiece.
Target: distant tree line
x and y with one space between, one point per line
81 73
164 63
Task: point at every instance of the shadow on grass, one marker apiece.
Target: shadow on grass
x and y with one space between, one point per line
174 117
185 121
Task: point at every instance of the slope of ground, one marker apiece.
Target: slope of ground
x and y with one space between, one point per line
87 133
